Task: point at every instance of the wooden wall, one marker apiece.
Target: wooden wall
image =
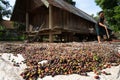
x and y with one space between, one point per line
67 20
40 16
61 19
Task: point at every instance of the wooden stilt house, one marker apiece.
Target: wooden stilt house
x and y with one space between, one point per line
53 18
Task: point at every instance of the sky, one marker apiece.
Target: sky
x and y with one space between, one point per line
88 6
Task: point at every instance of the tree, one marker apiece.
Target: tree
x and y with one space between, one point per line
4 9
71 2
95 17
112 12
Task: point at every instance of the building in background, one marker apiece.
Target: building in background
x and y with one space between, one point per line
55 19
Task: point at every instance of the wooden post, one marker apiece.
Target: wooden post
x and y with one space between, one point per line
27 22
30 28
50 24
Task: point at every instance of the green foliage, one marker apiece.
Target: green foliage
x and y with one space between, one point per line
95 17
112 12
20 27
117 13
4 9
2 28
12 35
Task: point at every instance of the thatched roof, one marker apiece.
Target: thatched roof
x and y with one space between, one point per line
21 6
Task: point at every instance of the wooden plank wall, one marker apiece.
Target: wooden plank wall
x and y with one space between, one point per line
61 19
40 16
67 20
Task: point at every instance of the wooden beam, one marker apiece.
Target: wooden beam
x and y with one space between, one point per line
30 28
50 17
50 24
45 32
27 16
27 22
